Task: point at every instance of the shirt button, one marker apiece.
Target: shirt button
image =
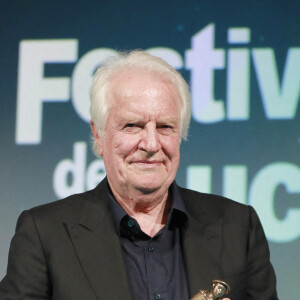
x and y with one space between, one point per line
130 223
157 297
151 249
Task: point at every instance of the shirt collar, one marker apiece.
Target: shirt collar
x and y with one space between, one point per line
178 215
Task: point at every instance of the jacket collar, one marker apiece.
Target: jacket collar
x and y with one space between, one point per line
98 248
201 242
99 252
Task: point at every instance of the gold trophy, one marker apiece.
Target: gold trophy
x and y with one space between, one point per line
218 289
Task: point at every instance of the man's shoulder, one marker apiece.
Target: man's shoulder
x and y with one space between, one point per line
212 204
71 207
68 204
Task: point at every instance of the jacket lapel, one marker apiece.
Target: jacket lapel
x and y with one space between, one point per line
99 252
98 249
202 242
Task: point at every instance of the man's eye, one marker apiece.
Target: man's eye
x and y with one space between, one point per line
165 129
166 126
131 128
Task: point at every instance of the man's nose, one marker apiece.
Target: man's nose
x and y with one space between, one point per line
150 139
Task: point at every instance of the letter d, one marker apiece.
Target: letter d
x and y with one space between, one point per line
75 168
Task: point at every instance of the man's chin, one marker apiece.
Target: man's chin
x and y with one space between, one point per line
150 182
148 187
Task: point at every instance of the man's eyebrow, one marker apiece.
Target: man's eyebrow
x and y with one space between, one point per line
130 119
172 121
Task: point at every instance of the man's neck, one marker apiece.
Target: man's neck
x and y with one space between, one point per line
151 210
154 220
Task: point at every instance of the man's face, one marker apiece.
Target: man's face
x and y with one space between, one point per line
141 143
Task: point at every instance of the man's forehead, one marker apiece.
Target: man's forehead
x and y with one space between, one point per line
132 117
125 91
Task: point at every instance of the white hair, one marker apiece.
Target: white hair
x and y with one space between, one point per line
136 60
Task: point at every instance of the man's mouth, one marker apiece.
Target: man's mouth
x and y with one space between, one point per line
148 163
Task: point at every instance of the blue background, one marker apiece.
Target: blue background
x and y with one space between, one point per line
26 177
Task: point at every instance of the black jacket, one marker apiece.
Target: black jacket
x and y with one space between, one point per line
69 250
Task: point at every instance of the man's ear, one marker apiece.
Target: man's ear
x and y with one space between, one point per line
97 138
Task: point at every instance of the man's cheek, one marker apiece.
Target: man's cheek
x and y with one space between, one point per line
127 146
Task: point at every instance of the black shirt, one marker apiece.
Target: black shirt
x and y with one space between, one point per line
155 266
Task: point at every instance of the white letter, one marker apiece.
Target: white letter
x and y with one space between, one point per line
33 88
82 79
95 173
71 168
262 196
202 60
235 183
238 73
239 35
279 102
199 178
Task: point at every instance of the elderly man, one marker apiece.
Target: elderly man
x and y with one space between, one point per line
138 235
